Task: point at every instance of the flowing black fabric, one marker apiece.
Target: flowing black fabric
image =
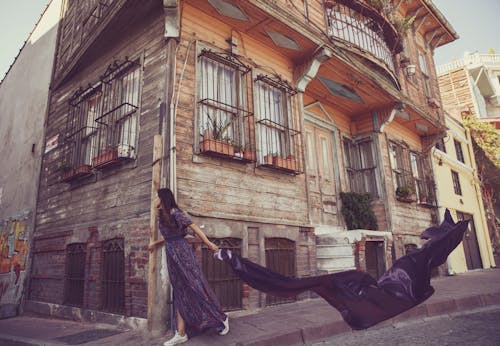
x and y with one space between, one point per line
362 300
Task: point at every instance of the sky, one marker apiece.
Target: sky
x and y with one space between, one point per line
474 20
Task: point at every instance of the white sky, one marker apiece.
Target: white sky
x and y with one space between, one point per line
476 21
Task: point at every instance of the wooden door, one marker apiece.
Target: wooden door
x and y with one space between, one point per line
471 247
320 170
375 258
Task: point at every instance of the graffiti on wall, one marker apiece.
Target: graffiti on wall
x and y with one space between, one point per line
13 258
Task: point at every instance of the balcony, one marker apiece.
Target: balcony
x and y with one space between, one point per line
359 25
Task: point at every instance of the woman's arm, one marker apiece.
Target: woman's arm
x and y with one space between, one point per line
203 237
155 244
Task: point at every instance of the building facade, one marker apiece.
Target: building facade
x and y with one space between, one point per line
459 191
23 107
472 84
269 111
471 87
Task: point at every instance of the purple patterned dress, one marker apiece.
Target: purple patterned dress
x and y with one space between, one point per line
193 297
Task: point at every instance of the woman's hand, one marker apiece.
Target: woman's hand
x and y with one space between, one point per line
213 247
154 244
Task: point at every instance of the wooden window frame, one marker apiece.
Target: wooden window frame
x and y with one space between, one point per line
458 150
457 187
356 167
224 117
279 140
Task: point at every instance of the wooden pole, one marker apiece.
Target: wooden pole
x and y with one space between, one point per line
153 228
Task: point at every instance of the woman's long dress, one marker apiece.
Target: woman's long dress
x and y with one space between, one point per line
192 295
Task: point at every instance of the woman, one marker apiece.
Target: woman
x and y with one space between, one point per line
195 304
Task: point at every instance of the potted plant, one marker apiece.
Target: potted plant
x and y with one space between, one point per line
215 139
106 157
405 194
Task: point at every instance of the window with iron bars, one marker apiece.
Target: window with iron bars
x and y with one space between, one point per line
410 181
117 123
360 166
402 175
277 135
280 258
75 274
113 276
225 121
422 190
81 132
225 283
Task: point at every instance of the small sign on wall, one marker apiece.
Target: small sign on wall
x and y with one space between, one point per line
51 143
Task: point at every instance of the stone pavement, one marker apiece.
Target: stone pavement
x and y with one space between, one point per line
298 323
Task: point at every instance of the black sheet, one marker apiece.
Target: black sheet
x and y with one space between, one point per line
361 299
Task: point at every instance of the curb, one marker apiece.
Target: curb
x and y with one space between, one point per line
423 311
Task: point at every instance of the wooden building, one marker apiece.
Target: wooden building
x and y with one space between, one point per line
268 111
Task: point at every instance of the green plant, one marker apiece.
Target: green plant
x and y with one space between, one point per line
402 24
404 191
218 128
64 166
357 210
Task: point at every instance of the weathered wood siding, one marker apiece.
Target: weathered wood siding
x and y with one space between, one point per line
114 202
221 188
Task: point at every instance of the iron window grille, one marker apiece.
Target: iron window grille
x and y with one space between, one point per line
280 258
81 131
360 166
117 124
352 26
75 274
226 122
278 137
113 276
401 171
458 150
422 190
456 183
221 278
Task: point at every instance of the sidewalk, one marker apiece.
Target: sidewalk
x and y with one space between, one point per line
290 324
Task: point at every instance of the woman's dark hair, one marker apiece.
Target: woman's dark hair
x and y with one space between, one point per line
167 199
168 203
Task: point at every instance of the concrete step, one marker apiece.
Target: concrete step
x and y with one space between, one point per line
334 250
335 262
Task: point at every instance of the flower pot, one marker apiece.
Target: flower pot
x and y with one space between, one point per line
75 173
279 162
106 158
217 147
249 155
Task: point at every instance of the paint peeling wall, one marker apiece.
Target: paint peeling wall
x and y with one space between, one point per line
23 105
13 261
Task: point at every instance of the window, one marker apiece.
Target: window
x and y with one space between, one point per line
440 145
425 74
456 183
418 177
101 126
458 150
225 123
81 130
402 177
75 274
279 141
118 121
113 276
360 166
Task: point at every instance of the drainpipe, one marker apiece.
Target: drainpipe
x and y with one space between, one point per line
307 74
397 108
